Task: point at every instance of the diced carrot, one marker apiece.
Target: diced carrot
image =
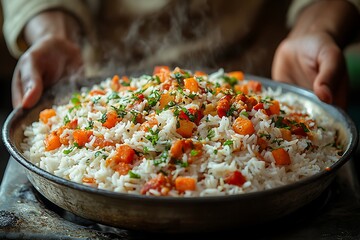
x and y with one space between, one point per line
223 88
281 156
235 178
183 115
97 92
186 146
241 89
259 156
115 84
159 69
259 106
236 74
111 119
165 98
191 84
72 124
200 73
139 118
262 143
186 128
115 78
210 109
122 168
223 106
250 103
125 79
159 183
52 141
145 126
124 153
166 85
183 184
46 114
198 115
195 152
254 86
285 134
63 139
163 72
81 137
88 180
179 147
101 142
274 107
127 88
243 126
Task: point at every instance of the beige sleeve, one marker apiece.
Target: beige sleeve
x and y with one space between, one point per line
297 5
18 12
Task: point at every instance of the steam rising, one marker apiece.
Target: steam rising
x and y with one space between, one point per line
183 33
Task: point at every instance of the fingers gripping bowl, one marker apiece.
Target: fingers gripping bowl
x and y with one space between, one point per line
181 150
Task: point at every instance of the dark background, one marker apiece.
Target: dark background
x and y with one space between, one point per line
7 64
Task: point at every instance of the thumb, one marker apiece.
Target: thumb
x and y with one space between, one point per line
27 86
331 71
32 92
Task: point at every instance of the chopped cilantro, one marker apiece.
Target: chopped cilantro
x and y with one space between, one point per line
134 116
66 120
211 134
120 111
230 80
69 150
146 150
153 136
103 118
304 127
244 113
231 111
279 123
319 127
75 100
95 100
194 152
163 157
98 153
134 175
113 95
153 98
278 141
192 95
266 135
181 163
228 143
90 125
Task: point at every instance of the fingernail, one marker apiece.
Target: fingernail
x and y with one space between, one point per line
27 93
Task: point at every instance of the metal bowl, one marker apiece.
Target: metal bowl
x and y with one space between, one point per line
175 214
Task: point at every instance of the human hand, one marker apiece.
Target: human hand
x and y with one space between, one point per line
54 53
313 61
43 64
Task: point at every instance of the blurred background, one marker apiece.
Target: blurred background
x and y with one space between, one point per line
7 65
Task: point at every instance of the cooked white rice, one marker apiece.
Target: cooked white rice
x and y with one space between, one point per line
215 150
